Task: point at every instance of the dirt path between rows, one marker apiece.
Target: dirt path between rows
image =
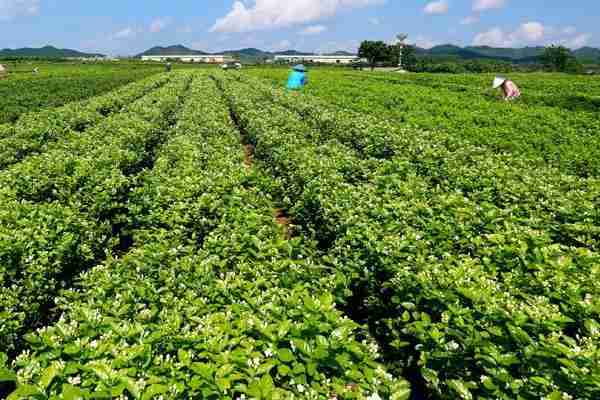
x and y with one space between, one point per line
248 155
280 216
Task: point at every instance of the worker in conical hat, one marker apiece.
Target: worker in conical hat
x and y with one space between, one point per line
298 78
509 88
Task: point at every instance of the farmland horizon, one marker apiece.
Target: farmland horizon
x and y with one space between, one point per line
308 26
447 49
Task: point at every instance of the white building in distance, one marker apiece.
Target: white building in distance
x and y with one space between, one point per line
204 58
318 59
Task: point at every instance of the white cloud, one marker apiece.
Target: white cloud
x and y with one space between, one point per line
424 42
185 29
10 9
333 46
530 32
125 33
578 41
527 33
159 24
375 21
436 7
494 37
313 30
269 14
282 45
470 20
482 5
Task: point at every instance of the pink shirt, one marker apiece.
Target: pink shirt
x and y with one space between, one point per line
511 91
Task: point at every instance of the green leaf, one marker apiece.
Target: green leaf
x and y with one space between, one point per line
266 386
254 390
555 396
460 387
224 384
70 392
26 392
32 338
184 357
302 345
71 349
131 387
7 375
401 391
100 370
204 370
154 390
118 390
321 353
285 355
283 370
299 368
48 376
540 381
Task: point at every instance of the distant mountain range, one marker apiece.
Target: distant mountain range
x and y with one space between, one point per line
245 54
45 52
526 54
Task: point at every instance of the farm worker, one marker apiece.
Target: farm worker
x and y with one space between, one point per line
35 70
297 79
168 67
510 90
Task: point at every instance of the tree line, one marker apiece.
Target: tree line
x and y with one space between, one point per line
378 53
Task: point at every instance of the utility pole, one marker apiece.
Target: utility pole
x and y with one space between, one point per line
401 43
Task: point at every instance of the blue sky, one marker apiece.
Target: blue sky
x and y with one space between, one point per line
126 27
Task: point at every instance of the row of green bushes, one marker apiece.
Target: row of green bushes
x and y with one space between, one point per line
62 209
476 272
37 131
211 301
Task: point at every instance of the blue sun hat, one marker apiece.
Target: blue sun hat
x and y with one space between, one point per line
299 68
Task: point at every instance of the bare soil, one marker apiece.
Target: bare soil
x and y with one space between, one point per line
248 155
281 218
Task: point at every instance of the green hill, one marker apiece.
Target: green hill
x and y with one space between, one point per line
521 55
177 50
451 51
588 54
45 52
507 53
246 55
445 51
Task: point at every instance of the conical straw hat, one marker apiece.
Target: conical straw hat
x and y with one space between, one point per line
498 81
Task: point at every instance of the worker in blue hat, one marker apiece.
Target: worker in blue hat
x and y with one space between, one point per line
297 79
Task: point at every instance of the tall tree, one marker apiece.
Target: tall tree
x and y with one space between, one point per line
557 58
409 57
373 51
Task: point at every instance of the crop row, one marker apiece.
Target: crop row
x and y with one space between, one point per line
38 132
62 210
477 274
564 205
212 301
568 93
59 84
562 138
